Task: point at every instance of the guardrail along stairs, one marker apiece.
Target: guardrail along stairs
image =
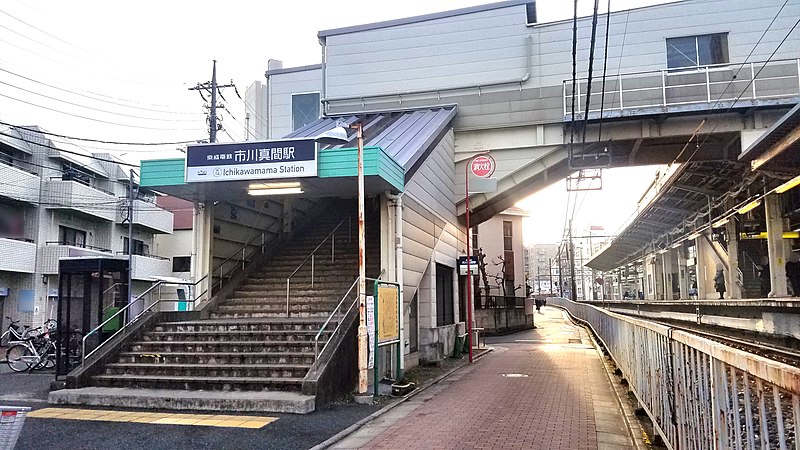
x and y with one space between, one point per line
249 347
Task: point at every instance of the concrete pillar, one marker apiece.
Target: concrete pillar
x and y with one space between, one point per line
202 236
734 288
776 246
683 272
658 277
286 216
667 264
701 249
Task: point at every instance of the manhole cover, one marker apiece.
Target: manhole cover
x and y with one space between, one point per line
515 375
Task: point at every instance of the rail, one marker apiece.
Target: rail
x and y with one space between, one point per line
700 394
119 314
245 256
688 87
341 316
312 257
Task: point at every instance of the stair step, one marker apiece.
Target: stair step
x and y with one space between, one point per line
264 314
235 336
266 347
209 370
299 358
243 325
197 383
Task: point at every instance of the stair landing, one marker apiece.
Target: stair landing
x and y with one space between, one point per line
179 399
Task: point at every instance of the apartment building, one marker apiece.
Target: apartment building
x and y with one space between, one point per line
540 265
58 200
499 239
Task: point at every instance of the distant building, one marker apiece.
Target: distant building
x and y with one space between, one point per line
500 239
540 262
58 200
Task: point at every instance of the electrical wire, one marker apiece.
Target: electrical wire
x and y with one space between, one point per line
67 151
98 97
93 108
108 122
99 141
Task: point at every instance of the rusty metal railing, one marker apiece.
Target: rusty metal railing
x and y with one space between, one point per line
700 394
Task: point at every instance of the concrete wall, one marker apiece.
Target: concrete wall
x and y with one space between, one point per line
497 320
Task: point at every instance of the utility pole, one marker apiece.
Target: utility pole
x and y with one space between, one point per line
213 89
131 197
571 255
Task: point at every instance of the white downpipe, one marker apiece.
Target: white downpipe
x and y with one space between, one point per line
397 201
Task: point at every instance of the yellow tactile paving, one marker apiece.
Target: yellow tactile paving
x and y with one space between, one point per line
208 420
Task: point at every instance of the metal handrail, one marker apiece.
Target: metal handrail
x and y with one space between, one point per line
195 298
94 330
339 323
312 257
750 76
244 258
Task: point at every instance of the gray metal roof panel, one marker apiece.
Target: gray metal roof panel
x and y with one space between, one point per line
407 136
422 18
778 131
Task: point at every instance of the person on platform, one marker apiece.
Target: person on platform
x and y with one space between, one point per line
719 281
793 273
763 276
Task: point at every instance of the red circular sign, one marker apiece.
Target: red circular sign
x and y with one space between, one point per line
482 166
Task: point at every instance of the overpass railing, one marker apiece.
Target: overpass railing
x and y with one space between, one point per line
700 394
696 88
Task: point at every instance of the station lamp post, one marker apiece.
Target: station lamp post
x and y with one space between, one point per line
338 135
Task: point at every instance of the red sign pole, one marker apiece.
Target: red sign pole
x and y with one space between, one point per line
469 253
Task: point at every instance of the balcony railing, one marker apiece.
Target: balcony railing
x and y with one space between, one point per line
18 184
62 194
17 255
692 89
149 215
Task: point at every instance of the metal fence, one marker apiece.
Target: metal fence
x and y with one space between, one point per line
687 88
700 394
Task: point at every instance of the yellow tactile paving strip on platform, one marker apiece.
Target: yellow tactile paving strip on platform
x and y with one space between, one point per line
208 420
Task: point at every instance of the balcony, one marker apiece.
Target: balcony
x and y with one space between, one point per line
17 256
147 266
53 251
703 88
72 195
148 215
18 184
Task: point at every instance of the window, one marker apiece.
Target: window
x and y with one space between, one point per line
695 51
305 109
508 234
139 247
71 236
181 263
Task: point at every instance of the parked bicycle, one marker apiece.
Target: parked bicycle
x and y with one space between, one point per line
37 351
15 333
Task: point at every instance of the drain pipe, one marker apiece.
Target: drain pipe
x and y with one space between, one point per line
397 201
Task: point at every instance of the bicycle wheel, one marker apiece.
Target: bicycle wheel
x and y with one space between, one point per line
47 356
15 357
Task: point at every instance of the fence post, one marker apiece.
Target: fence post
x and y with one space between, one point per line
664 87
753 79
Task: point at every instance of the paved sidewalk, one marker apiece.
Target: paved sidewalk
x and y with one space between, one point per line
541 389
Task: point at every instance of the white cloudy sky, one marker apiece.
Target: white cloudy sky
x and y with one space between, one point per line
120 70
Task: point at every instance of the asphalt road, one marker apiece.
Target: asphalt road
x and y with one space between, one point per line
290 431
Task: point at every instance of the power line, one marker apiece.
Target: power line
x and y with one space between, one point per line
93 108
98 97
91 118
212 88
99 141
68 151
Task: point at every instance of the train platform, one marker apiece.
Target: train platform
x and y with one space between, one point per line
546 388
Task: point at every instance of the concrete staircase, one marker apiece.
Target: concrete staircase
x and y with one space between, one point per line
249 347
